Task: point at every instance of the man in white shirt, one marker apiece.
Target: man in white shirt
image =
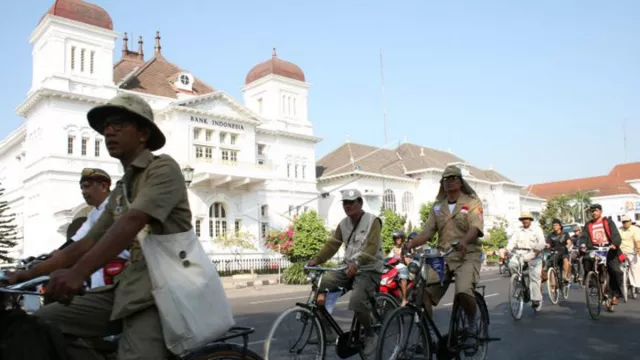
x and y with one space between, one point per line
529 241
95 185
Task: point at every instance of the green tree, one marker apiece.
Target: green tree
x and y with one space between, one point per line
309 236
391 223
581 203
556 208
496 238
425 211
8 231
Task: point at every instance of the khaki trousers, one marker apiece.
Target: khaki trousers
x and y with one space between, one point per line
88 317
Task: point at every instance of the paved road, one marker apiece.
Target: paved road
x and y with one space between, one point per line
563 331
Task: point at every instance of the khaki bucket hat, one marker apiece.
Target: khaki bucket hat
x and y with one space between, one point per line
525 215
131 105
453 170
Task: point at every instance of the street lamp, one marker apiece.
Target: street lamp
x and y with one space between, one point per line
187 172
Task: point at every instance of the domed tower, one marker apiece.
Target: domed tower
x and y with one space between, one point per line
277 91
73 43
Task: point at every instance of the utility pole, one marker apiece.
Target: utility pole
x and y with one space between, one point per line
384 107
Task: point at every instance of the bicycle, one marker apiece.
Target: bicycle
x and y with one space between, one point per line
447 346
219 349
519 292
556 283
627 288
597 282
347 344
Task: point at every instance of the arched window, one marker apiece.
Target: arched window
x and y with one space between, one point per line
407 202
389 200
217 220
198 228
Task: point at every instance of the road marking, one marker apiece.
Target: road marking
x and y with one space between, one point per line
490 280
259 341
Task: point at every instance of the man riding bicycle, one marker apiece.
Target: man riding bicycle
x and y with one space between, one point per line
630 245
157 200
361 233
530 241
456 215
95 186
602 231
398 252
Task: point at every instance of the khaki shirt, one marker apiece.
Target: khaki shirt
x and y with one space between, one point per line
629 238
155 186
452 226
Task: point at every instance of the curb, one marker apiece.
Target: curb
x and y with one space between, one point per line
255 283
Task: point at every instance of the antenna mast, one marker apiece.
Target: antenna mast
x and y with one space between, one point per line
624 134
384 107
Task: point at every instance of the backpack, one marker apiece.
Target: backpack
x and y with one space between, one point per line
24 336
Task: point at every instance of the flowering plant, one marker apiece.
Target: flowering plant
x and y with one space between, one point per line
280 241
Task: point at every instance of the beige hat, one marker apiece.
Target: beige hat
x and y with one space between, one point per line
453 170
525 215
132 105
626 218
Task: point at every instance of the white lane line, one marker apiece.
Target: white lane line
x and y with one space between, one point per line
490 280
277 300
259 341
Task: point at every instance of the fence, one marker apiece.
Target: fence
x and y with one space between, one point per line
266 264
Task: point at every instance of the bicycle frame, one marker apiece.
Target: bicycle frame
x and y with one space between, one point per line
321 311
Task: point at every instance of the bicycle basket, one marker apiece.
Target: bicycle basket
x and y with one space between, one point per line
438 264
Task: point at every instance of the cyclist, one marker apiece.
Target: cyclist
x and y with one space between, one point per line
579 242
456 215
361 233
558 241
398 252
531 238
157 200
95 184
602 231
630 245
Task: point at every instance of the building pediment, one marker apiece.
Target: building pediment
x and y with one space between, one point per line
217 105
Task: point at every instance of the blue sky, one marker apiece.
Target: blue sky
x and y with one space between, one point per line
539 90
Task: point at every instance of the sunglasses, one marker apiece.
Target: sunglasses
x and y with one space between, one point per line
451 178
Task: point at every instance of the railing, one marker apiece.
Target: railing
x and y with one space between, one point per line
266 264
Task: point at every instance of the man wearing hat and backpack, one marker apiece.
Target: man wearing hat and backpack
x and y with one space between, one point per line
529 240
152 194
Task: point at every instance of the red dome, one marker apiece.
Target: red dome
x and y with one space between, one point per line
275 66
81 11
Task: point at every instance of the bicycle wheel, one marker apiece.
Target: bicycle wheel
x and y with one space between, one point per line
516 296
593 295
283 344
458 333
385 304
625 286
403 336
225 352
553 287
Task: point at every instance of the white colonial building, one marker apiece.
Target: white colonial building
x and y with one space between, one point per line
403 178
252 160
618 191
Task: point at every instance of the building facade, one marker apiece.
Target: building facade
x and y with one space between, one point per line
618 191
403 178
250 159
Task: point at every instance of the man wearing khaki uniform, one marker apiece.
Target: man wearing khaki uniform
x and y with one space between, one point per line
158 198
456 215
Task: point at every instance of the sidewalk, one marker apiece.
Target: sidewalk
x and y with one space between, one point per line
248 280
